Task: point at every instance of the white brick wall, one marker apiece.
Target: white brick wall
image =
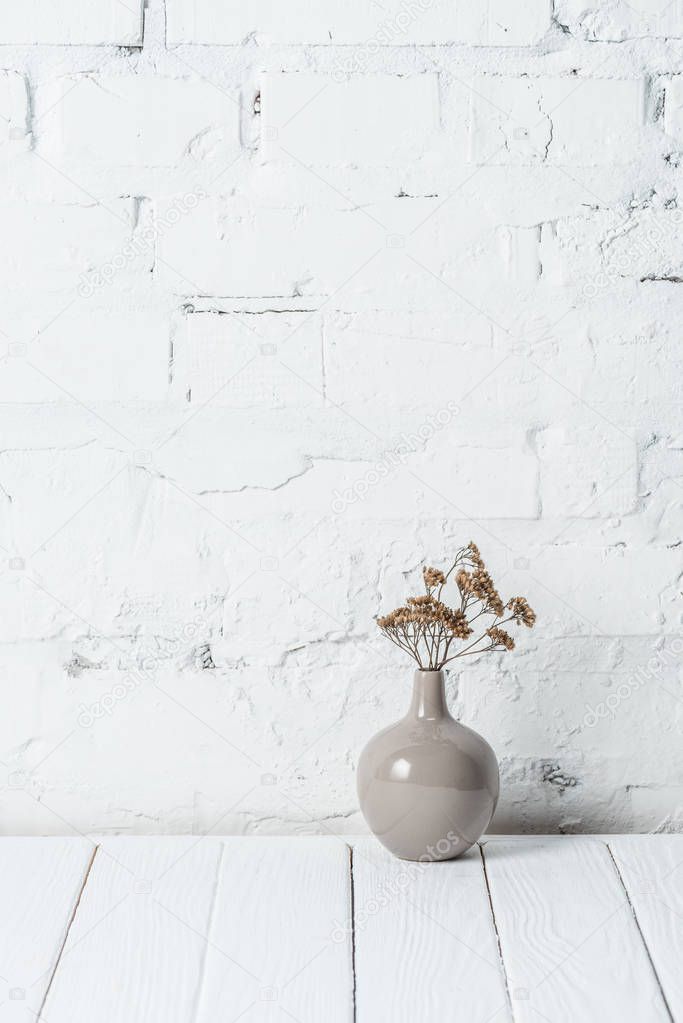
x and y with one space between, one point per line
563 121
13 110
617 20
378 119
342 22
101 124
73 22
232 360
101 354
674 108
296 297
53 243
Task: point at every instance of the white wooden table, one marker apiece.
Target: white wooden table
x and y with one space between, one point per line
192 930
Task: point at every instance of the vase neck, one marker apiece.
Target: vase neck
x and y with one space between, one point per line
429 696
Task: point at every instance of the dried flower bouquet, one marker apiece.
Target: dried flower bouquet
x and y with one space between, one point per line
426 627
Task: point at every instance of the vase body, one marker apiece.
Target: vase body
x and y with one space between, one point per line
427 785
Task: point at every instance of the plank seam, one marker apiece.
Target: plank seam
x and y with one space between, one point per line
640 932
497 933
209 929
353 933
66 933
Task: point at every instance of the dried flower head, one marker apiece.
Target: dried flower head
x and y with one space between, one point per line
473 555
433 577
458 625
479 585
500 638
426 627
521 611
486 592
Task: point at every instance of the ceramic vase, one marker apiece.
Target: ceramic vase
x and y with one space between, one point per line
427 785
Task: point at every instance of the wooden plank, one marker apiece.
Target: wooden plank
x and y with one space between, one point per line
40 881
280 945
136 945
426 947
651 868
571 947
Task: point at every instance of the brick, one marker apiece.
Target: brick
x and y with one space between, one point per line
437 466
104 122
362 350
587 472
598 253
616 351
386 255
644 243
398 22
647 244
673 108
54 246
565 121
249 360
274 448
218 249
49 487
377 118
621 19
91 22
13 113
92 353
581 585
495 478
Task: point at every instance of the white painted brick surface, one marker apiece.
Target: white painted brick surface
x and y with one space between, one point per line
299 297
398 22
364 351
622 19
218 249
92 22
236 360
564 121
368 120
91 354
673 119
53 244
589 472
100 123
14 100
370 255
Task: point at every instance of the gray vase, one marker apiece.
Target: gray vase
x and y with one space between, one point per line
428 785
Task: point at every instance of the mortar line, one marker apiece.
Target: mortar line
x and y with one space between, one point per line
67 933
353 935
497 933
209 932
640 932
